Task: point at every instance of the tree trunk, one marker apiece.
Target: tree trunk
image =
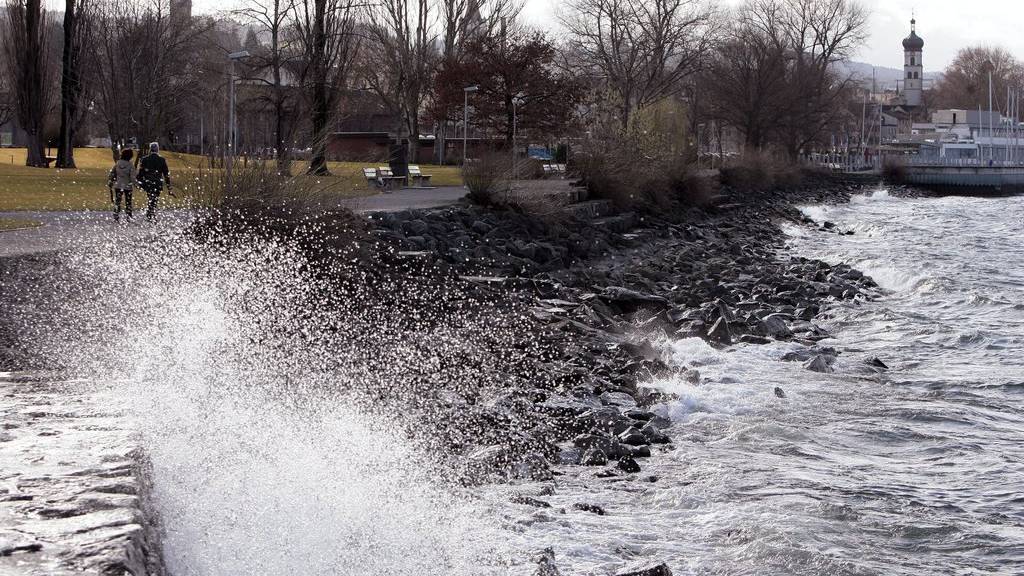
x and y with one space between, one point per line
70 89
320 113
32 83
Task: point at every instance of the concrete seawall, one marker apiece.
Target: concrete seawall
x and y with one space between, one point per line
72 487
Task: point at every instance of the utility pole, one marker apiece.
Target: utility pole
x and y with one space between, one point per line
465 119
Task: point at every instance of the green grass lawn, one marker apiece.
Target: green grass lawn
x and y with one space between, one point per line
24 188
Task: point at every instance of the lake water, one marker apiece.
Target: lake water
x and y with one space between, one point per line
915 470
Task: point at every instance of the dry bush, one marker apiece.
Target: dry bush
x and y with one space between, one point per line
759 171
487 178
260 200
646 166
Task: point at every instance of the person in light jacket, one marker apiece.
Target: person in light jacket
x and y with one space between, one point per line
123 179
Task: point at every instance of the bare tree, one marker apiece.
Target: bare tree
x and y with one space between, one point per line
746 77
401 60
774 75
326 32
273 16
964 82
820 34
25 46
642 50
77 42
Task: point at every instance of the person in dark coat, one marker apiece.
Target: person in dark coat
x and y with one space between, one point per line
121 182
153 173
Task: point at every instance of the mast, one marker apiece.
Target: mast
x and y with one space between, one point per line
991 139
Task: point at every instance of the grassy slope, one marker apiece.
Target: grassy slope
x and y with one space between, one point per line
23 188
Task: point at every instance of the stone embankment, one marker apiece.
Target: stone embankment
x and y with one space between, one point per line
70 483
605 292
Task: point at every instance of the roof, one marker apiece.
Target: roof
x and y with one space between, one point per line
913 42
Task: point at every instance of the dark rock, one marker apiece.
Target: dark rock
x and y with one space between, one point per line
720 332
546 564
819 364
780 392
528 501
641 415
592 508
631 299
640 451
874 361
776 327
659 570
628 465
654 435
632 437
594 457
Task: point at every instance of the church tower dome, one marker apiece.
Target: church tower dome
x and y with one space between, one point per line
913 69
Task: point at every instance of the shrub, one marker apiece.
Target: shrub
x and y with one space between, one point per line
894 171
260 201
486 178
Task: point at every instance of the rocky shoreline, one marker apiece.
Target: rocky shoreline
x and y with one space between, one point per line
602 292
558 317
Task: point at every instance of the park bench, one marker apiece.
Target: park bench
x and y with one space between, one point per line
418 177
371 178
388 178
548 170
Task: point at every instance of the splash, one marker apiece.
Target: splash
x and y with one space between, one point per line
288 430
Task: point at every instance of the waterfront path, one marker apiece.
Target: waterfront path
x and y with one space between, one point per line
61 230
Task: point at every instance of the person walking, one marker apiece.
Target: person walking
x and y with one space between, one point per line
123 178
153 173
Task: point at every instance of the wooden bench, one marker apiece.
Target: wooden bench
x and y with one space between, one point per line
418 178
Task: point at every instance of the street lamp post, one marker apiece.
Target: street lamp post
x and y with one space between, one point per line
232 128
465 119
516 101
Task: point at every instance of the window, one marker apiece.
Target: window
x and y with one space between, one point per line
913 62
909 75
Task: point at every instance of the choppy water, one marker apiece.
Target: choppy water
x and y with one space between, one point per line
917 471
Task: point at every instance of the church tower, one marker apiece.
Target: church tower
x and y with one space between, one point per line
913 70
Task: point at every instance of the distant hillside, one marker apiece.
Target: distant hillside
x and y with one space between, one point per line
884 77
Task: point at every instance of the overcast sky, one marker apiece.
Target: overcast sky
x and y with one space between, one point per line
945 25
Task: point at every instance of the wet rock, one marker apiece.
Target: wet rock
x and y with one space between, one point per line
629 299
876 363
640 451
546 564
654 435
691 375
641 415
779 392
592 508
594 457
628 465
819 364
632 437
528 501
659 570
618 399
776 327
720 332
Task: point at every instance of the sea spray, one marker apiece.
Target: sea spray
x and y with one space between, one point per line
290 425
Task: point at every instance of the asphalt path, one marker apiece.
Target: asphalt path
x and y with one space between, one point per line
63 230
